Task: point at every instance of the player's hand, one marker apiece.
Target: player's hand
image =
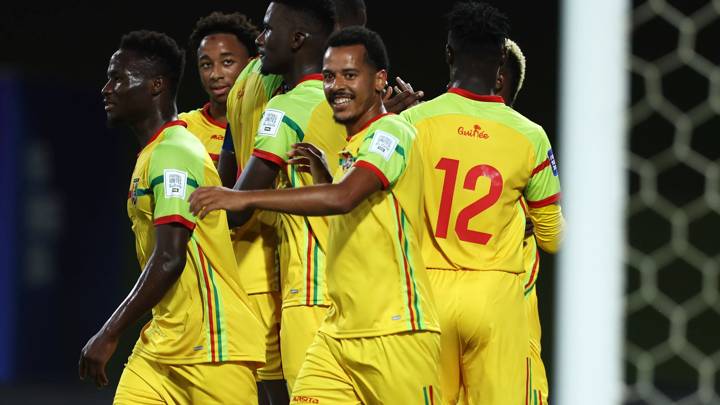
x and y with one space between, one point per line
207 199
94 357
309 159
529 228
404 98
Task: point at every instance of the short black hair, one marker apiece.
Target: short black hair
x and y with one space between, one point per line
350 12
323 11
375 51
478 27
220 23
163 52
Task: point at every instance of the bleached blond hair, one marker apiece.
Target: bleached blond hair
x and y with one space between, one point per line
517 59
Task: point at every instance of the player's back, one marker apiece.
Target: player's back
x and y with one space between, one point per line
480 157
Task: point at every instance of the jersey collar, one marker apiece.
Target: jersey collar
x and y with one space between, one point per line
312 76
164 127
367 124
206 113
477 97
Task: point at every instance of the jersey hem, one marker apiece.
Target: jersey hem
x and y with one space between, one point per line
380 175
265 155
197 359
363 333
178 219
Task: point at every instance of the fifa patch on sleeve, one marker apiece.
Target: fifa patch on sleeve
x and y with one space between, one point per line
553 165
270 122
175 183
383 144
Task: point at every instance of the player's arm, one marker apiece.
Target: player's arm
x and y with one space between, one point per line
318 200
542 195
548 225
160 274
227 165
259 174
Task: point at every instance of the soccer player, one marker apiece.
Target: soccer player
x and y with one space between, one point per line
203 341
510 81
380 340
223 44
480 158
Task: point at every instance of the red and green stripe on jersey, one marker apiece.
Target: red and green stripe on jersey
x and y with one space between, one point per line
313 259
428 395
407 272
533 396
212 304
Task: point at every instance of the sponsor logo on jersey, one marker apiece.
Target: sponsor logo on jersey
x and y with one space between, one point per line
218 137
475 132
303 399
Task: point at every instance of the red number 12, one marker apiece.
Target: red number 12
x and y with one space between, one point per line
450 166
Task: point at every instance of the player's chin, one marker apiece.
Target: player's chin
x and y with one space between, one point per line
343 117
113 119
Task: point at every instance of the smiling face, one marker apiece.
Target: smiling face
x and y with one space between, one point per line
275 41
221 58
352 85
128 93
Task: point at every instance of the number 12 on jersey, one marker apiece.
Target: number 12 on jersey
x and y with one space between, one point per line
464 233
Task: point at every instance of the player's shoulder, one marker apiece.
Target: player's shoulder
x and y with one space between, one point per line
394 124
179 143
524 125
192 115
441 104
298 102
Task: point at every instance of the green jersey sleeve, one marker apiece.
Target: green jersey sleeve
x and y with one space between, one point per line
384 152
544 186
176 171
275 136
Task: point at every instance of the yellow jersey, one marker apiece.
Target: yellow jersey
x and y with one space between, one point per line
205 316
300 115
481 157
376 277
255 241
210 131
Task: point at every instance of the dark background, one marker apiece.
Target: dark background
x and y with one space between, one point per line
66 249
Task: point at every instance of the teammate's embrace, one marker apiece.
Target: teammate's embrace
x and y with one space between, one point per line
203 342
480 158
380 340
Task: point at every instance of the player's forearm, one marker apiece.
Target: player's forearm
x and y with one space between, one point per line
227 168
548 225
317 200
161 273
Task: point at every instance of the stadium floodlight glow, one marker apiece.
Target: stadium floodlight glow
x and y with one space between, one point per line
593 111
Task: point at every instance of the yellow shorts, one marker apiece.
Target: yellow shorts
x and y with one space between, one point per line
537 384
267 308
299 325
391 369
147 382
484 336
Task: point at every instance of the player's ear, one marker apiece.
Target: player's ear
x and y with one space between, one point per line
298 39
158 85
499 80
380 80
449 54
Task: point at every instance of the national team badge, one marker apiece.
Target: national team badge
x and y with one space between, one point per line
346 160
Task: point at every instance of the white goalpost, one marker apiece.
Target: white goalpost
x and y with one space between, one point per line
593 107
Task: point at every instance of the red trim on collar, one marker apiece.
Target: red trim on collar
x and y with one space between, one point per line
311 76
206 113
477 97
164 127
367 124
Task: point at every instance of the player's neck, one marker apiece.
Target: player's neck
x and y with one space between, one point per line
473 84
296 74
218 111
365 118
145 128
